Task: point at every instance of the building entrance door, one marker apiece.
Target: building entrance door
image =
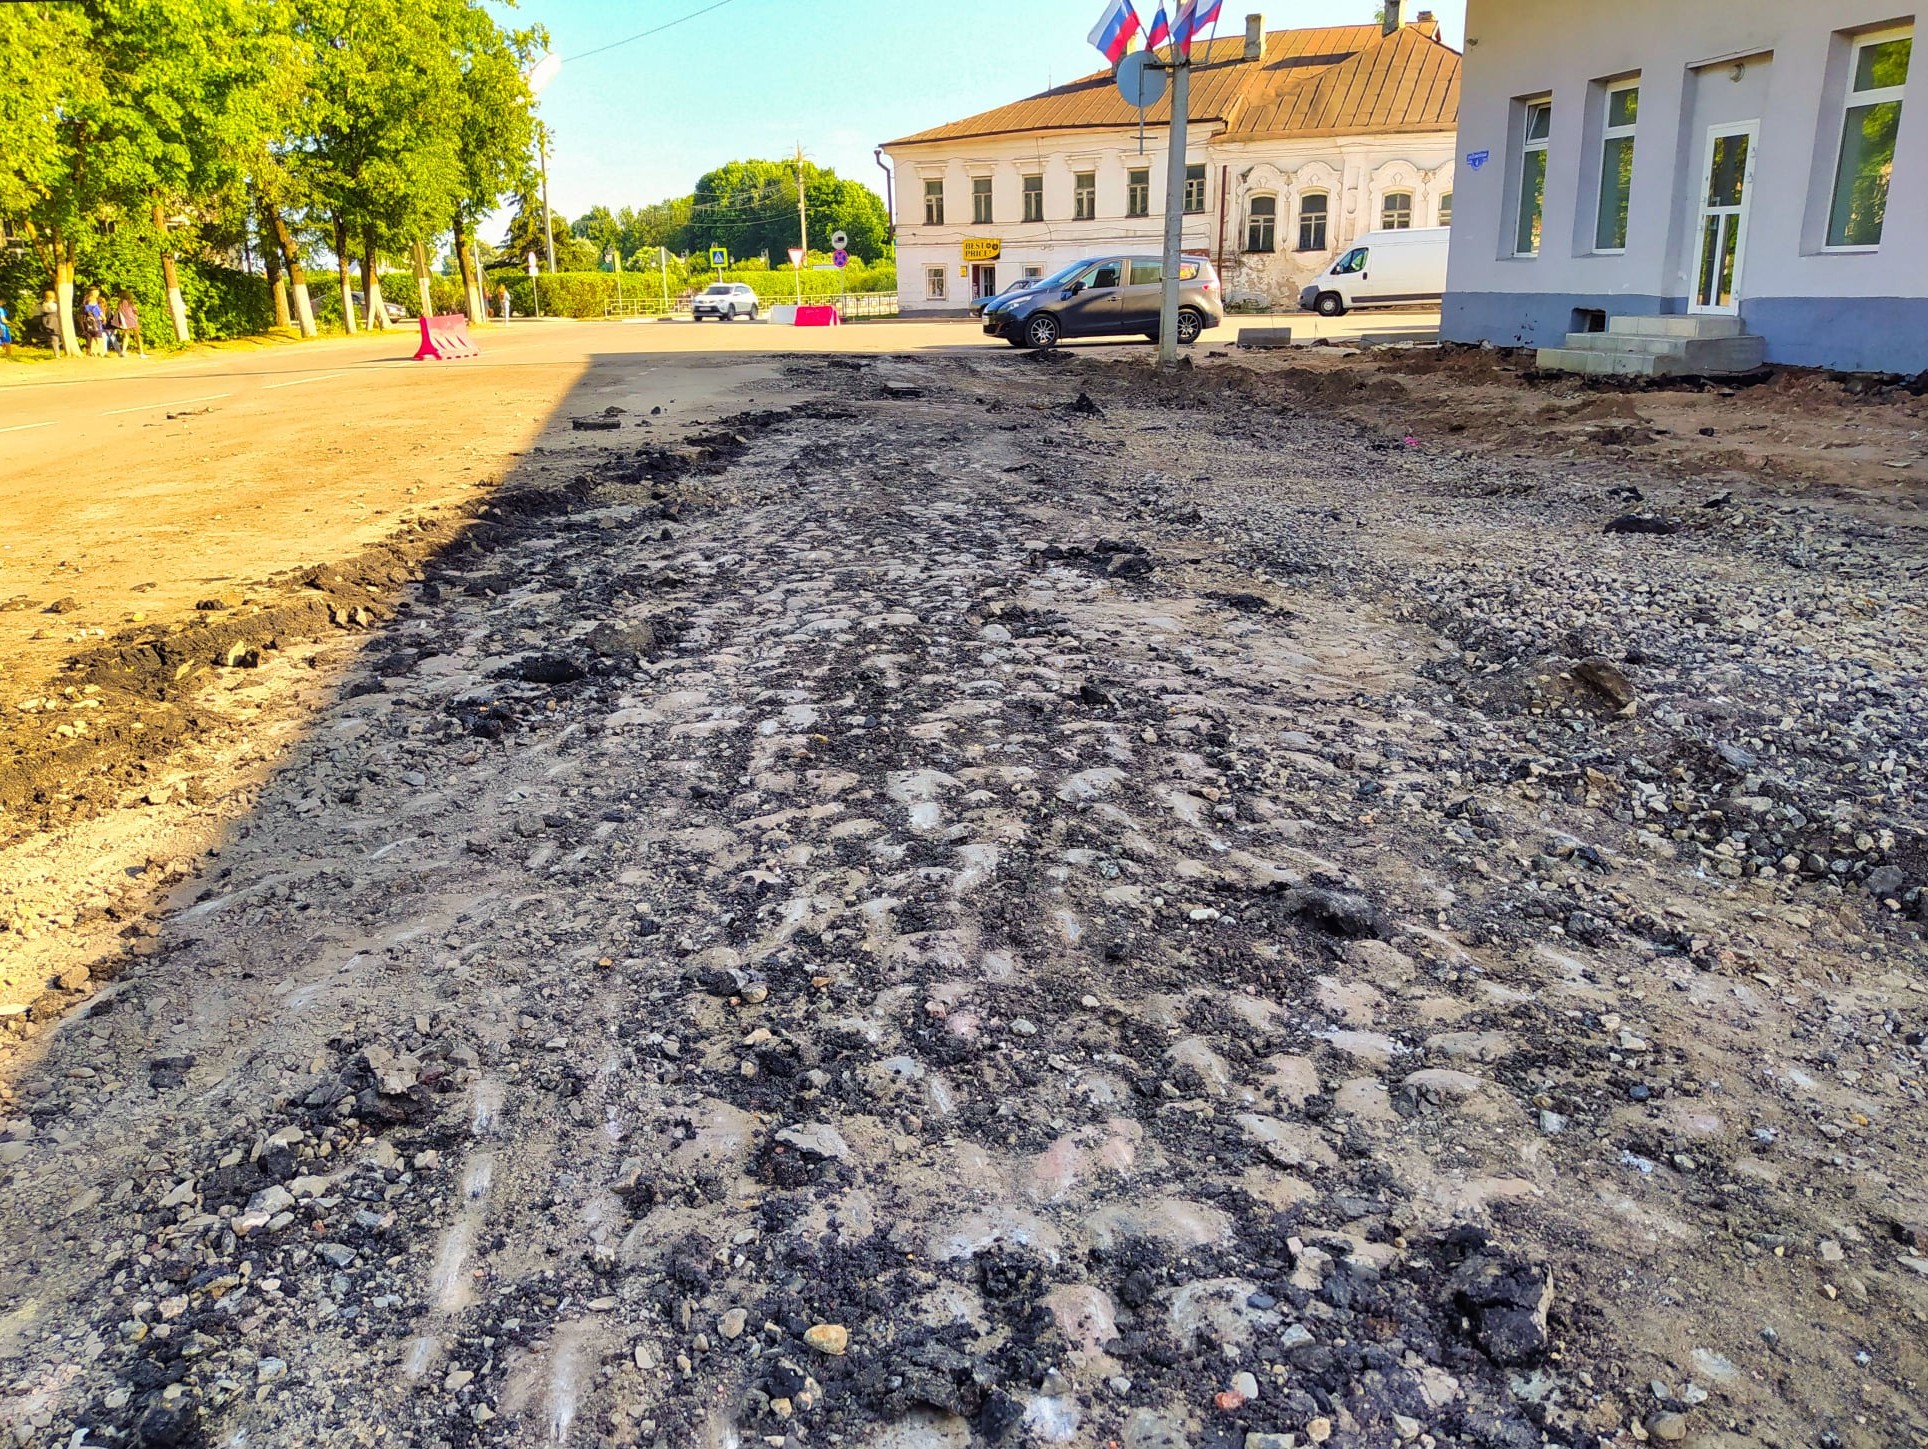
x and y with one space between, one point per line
983 281
1727 186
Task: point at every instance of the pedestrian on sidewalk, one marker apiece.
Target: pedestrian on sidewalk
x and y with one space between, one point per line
502 301
93 324
6 333
127 323
50 322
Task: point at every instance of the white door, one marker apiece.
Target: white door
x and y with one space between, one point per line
1726 192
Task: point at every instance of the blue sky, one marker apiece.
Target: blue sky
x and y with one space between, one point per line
756 77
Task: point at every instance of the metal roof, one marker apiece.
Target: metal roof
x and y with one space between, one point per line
1338 79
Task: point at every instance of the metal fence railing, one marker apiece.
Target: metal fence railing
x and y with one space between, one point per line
850 305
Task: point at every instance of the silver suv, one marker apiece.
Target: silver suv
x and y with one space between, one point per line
725 301
1108 297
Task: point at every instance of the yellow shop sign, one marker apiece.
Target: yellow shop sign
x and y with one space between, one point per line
982 249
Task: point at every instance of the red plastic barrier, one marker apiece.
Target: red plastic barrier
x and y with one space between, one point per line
446 338
818 317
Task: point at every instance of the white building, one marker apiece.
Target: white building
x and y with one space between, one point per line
1758 160
1332 132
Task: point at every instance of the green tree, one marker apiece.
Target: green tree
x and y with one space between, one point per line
751 207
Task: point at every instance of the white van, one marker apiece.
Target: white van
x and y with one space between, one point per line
1383 269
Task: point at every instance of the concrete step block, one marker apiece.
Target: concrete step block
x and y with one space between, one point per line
1264 337
1592 362
1674 326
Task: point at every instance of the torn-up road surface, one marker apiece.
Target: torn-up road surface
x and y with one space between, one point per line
976 905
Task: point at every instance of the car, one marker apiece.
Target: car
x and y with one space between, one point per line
725 301
1405 268
1108 296
981 305
393 310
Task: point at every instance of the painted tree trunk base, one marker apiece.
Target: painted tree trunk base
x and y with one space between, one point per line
281 317
377 318
305 311
177 311
64 295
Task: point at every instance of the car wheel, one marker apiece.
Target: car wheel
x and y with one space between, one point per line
1330 304
1191 322
1042 331
753 312
729 313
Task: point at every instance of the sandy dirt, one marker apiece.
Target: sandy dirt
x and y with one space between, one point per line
986 899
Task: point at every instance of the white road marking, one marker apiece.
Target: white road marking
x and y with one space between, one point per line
178 403
270 387
23 427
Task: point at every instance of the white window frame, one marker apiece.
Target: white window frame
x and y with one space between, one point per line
985 194
934 280
1325 223
1084 199
1252 215
1444 208
1138 193
1204 183
931 197
1850 100
1528 145
1026 190
1610 133
1032 272
1385 210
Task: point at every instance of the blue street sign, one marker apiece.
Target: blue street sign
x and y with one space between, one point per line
1477 159
840 256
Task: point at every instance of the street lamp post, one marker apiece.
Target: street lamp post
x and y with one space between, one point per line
536 77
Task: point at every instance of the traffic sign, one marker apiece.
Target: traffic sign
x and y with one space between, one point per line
796 256
532 264
719 257
1139 81
839 240
840 256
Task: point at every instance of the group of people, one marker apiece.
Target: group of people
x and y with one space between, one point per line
102 327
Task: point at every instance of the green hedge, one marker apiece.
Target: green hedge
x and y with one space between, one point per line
221 302
584 294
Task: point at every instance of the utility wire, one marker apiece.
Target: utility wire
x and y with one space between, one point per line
645 34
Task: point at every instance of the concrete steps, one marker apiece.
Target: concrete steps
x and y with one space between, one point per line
1672 346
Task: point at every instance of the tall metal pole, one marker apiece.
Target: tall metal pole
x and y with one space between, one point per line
548 226
1174 211
803 227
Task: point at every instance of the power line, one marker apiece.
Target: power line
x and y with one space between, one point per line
645 34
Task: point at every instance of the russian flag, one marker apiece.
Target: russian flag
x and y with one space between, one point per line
1161 29
1115 30
1193 17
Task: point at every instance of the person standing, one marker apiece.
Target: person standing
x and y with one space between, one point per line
93 324
6 333
127 323
502 301
50 322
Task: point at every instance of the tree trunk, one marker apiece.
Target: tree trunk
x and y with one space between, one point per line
471 283
176 307
421 279
277 286
371 284
64 294
297 278
341 276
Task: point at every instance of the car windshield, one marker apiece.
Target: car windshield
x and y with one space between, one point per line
721 289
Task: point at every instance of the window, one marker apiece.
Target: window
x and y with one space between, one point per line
1147 274
1138 193
1103 274
1312 222
1877 73
1194 188
1084 195
981 200
1034 198
1537 126
1396 211
1616 168
1352 261
934 202
1446 208
934 283
1033 272
1261 223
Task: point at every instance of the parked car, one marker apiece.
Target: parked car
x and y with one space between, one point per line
982 305
394 311
1109 296
1383 269
725 301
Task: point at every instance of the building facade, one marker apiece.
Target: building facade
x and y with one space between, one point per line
1759 159
1330 133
